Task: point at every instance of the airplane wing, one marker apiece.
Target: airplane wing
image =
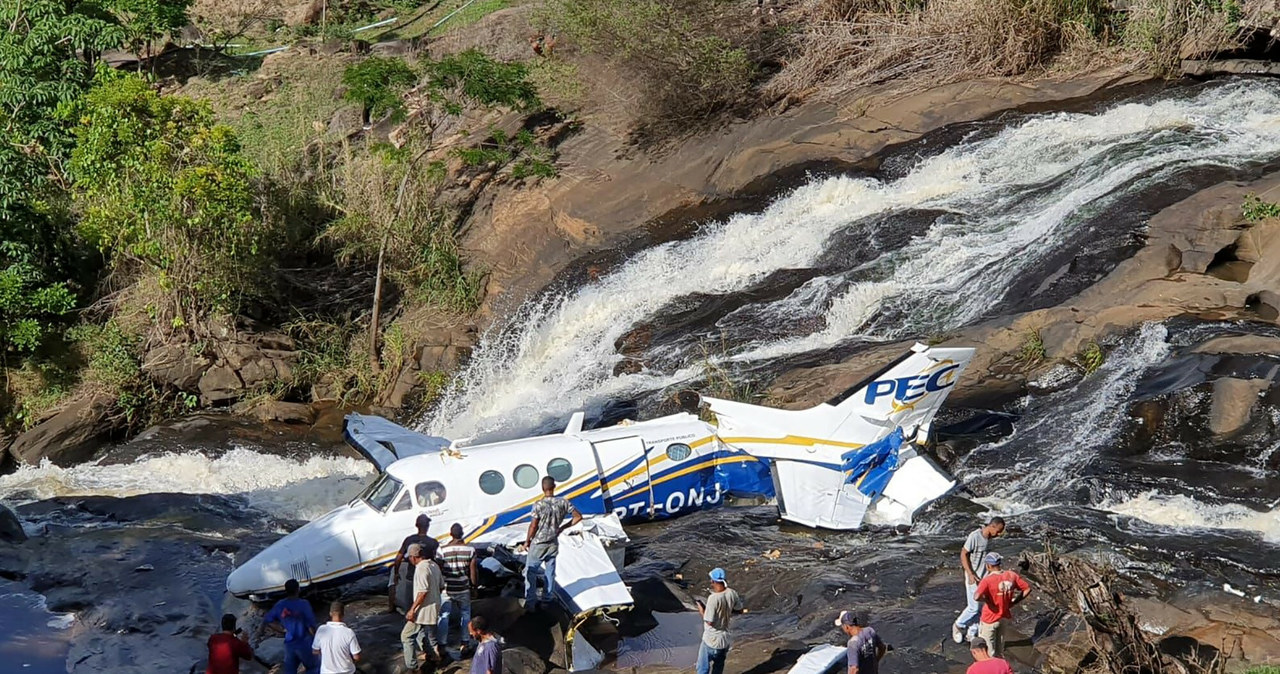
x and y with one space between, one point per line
587 579
384 442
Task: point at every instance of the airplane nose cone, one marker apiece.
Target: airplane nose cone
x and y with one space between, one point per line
246 579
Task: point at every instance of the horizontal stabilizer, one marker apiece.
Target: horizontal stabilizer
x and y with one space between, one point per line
384 442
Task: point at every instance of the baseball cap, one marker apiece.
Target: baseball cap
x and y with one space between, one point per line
717 574
846 618
415 550
423 521
978 644
993 558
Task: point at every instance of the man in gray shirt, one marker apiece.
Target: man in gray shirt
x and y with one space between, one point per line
971 555
722 603
542 541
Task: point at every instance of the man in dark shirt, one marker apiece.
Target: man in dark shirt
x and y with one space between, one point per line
421 538
866 649
227 648
488 658
545 525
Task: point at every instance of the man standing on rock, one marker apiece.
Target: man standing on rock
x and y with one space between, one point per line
421 538
998 591
971 554
722 603
458 564
424 614
983 663
227 648
335 644
299 621
542 541
865 649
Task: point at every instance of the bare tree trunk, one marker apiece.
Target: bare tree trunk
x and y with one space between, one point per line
374 329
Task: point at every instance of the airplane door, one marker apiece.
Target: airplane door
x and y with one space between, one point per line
624 472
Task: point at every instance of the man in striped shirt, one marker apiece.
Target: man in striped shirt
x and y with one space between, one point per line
458 563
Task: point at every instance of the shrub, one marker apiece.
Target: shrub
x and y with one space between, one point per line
377 83
164 191
690 56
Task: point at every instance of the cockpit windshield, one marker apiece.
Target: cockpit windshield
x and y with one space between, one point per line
381 493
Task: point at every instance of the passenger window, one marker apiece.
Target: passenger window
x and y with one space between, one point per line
403 504
429 494
560 469
678 451
492 482
526 476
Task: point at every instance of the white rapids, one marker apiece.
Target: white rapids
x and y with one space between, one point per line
293 488
1009 199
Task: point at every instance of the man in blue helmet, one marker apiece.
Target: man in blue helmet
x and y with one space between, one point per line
720 604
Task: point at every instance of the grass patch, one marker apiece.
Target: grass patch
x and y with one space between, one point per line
1263 670
1032 352
473 13
558 81
1090 358
1255 209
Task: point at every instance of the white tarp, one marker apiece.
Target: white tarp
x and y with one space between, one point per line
819 659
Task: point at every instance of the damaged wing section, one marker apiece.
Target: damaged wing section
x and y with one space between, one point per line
384 442
853 458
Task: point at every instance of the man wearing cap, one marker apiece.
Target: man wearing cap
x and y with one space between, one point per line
998 591
983 663
397 573
423 616
971 554
720 604
866 648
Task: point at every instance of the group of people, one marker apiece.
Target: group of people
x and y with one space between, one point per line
990 593
331 648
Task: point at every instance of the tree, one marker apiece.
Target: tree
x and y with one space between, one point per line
377 83
165 191
48 49
403 230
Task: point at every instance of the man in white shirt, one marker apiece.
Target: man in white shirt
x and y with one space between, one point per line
336 644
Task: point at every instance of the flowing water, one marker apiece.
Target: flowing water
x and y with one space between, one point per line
1019 212
995 208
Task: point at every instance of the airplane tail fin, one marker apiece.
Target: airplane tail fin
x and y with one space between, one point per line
850 458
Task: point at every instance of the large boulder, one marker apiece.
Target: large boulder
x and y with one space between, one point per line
68 437
220 384
175 365
1233 403
10 526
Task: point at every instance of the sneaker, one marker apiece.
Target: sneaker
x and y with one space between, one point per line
956 635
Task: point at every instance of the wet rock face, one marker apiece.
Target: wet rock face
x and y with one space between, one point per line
10 527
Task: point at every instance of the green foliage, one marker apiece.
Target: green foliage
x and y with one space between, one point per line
162 188
1090 358
472 77
1263 670
1031 353
30 302
531 158
470 14
690 60
377 83
1256 210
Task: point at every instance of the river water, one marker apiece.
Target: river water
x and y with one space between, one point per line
984 220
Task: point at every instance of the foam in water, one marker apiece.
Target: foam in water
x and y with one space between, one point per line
1177 511
1011 199
1061 432
293 488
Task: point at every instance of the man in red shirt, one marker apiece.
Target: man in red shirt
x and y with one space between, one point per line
998 591
227 648
983 663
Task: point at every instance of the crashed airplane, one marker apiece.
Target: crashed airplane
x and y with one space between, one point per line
844 462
